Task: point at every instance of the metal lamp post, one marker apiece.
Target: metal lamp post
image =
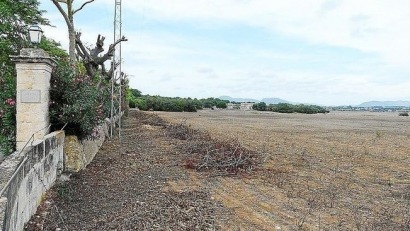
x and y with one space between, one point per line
35 33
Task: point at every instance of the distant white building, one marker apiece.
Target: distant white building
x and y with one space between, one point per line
246 106
241 106
230 106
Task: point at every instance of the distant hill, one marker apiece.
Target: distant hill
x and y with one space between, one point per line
266 100
239 100
385 103
274 100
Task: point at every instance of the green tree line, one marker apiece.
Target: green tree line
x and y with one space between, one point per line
174 104
290 108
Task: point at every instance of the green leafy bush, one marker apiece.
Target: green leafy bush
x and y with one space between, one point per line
282 108
77 103
174 104
7 110
259 106
403 114
290 108
211 102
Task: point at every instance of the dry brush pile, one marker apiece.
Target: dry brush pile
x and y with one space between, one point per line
227 157
205 153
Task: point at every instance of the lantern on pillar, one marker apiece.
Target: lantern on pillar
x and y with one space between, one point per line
35 34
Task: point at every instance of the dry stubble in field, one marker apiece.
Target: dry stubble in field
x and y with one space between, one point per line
339 171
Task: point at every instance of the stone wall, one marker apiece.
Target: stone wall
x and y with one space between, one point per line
35 170
27 176
79 153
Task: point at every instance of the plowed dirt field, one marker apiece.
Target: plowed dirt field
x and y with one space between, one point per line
338 171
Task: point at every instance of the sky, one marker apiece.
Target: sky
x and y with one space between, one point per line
326 52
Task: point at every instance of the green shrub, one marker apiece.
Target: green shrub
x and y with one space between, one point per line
290 108
403 114
132 103
7 110
211 102
259 106
76 102
283 108
158 103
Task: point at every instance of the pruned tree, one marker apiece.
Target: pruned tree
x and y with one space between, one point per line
91 58
68 15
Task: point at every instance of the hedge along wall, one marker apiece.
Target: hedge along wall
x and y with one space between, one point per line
28 175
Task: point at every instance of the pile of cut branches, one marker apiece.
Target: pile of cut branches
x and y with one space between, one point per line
208 154
150 119
183 132
226 156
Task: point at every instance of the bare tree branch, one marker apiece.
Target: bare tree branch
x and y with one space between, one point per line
79 52
90 1
98 47
110 51
67 20
80 45
118 77
111 71
112 46
91 59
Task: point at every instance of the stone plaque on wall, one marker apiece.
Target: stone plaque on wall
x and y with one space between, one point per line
30 96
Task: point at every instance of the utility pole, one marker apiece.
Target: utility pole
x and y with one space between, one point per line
117 76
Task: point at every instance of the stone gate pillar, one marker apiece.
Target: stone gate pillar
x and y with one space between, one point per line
34 68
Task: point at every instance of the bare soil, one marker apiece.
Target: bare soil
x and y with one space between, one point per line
338 171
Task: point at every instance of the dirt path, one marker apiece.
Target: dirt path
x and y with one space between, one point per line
138 185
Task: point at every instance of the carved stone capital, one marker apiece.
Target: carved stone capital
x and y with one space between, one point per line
33 55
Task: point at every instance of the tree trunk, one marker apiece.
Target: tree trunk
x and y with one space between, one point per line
69 19
71 31
71 48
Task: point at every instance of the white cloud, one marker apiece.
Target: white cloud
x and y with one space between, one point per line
173 63
368 25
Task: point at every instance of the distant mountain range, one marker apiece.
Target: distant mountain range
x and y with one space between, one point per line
385 103
274 100
244 100
239 100
401 103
